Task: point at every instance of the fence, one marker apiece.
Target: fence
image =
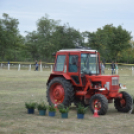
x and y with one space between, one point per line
123 69
25 66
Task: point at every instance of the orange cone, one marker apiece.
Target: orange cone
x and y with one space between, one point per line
56 104
96 111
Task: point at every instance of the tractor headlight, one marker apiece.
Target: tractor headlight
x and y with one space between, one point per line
107 85
102 89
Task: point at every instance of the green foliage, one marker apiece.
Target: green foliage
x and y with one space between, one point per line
11 42
41 106
31 105
110 41
51 108
127 55
63 109
81 109
50 37
113 43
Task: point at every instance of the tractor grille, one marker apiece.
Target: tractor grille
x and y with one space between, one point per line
115 81
115 87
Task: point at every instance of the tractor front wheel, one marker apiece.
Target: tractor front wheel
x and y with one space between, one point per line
123 104
99 101
59 91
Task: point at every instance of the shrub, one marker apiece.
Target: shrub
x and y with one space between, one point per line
63 109
41 106
51 108
81 109
30 105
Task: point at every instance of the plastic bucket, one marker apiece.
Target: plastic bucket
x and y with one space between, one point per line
80 116
64 115
42 112
52 114
30 111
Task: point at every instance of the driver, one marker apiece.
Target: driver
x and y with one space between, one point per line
73 65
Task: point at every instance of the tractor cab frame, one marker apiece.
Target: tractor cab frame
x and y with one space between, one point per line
76 77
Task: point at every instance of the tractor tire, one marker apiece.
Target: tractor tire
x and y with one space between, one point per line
59 90
78 100
101 102
124 104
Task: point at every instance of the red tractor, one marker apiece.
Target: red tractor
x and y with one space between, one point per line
76 77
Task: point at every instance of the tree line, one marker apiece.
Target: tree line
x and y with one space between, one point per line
113 43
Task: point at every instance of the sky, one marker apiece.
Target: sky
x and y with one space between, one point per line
83 15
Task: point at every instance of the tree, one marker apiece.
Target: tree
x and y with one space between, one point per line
110 40
51 37
11 41
45 29
32 45
127 55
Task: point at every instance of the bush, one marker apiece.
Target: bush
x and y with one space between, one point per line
51 108
41 106
63 109
81 109
30 105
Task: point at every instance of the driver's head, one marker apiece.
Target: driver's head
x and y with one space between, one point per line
73 61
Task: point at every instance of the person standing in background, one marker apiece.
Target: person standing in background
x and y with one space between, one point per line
116 67
113 67
102 68
36 65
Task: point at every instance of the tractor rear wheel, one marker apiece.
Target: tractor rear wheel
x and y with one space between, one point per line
123 104
60 90
99 101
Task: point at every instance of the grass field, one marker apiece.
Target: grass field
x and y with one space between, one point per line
18 87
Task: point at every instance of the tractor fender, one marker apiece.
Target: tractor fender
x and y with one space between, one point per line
119 95
58 75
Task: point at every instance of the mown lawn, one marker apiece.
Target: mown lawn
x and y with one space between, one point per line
18 87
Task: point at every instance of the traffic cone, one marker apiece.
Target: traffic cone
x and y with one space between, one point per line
56 104
96 111
124 86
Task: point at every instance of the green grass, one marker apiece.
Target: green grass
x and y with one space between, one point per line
18 87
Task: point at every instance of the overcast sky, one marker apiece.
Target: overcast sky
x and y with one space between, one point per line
81 14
